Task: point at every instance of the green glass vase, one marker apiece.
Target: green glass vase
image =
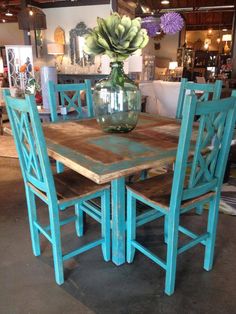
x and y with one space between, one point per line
117 101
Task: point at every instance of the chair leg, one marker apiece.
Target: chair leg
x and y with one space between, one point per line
211 228
199 210
59 166
56 244
32 213
79 223
172 252
106 212
131 226
166 228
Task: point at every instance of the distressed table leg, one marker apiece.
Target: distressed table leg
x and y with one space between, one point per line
118 220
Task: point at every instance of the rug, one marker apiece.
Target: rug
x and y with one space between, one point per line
7 147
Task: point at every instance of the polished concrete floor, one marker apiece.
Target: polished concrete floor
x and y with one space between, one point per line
93 286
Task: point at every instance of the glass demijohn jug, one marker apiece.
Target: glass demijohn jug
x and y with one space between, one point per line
117 101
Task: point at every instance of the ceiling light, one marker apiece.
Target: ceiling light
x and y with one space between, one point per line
218 40
3 20
8 13
31 12
224 29
165 2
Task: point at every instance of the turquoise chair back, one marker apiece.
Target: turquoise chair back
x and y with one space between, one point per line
192 88
210 148
30 143
68 102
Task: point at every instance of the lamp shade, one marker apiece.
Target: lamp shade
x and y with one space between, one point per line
227 37
135 63
31 18
55 49
173 65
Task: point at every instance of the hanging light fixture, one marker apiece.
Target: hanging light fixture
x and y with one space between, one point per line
31 18
8 13
165 2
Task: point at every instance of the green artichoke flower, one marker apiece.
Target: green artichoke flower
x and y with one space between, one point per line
116 36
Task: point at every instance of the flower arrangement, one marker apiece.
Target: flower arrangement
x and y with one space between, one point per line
31 83
116 36
150 23
171 22
168 23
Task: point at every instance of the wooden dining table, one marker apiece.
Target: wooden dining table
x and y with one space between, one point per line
111 157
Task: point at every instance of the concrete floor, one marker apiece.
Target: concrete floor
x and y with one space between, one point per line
93 286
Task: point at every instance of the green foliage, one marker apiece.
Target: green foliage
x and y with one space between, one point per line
116 36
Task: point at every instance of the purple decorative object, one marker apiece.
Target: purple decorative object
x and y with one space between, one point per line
152 25
171 22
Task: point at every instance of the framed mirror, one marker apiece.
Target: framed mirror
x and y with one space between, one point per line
77 55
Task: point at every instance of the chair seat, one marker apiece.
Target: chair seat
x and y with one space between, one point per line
157 190
71 185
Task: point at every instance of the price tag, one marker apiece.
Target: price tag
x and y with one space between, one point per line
63 111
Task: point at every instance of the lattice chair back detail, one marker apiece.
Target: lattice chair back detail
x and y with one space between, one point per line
58 191
190 185
202 91
212 142
30 144
72 106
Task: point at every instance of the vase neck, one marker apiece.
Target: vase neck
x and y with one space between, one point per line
117 72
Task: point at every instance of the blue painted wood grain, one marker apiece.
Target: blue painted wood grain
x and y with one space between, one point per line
39 181
191 87
216 128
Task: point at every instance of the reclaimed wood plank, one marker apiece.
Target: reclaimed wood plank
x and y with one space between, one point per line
102 157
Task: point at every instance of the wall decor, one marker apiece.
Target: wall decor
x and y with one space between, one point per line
77 54
38 42
59 35
20 65
157 46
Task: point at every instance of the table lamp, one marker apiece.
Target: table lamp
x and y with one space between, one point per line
135 66
226 38
57 50
172 66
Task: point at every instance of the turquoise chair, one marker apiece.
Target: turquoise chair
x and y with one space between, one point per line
70 104
58 191
204 91
189 186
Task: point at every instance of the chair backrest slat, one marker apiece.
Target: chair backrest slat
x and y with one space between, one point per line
70 102
30 143
210 147
196 88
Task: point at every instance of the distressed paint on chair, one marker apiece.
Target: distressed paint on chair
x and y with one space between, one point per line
70 103
194 88
40 181
187 189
